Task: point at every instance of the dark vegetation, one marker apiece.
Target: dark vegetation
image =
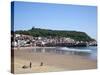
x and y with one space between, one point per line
36 32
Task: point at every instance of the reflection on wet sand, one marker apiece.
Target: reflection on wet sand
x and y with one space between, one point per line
58 51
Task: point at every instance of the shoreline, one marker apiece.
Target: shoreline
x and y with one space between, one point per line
42 47
15 48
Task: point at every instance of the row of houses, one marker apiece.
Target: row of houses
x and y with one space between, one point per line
27 40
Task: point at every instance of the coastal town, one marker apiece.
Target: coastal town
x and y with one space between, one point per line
51 37
21 40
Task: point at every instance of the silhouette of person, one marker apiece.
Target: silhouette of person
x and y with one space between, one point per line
30 65
41 64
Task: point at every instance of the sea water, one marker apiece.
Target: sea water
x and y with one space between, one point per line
89 52
93 51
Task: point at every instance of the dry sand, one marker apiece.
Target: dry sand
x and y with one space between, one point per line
51 62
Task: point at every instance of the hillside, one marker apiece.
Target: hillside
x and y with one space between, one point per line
76 35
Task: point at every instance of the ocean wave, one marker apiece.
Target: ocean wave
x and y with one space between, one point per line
75 50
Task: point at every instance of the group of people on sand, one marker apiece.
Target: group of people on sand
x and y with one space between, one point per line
30 65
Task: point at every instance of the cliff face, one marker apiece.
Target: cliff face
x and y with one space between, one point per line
76 35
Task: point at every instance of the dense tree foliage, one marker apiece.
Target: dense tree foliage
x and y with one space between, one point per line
76 35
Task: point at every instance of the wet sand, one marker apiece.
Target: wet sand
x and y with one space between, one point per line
51 62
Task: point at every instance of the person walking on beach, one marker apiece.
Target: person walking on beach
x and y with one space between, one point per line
41 64
30 65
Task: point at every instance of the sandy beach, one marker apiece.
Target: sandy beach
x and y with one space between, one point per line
51 62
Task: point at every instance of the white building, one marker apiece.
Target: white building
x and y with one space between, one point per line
14 43
69 40
17 35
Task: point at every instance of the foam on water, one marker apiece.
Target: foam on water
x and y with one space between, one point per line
76 50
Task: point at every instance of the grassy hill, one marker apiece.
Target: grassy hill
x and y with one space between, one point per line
76 35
